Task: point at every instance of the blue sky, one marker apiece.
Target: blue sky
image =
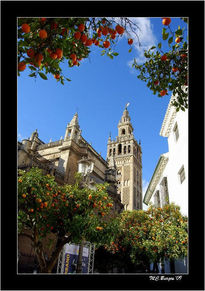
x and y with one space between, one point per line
99 90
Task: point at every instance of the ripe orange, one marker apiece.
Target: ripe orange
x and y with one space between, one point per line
178 39
166 20
43 34
97 42
57 76
130 41
45 204
38 57
25 28
99 32
113 36
103 21
156 82
81 27
83 38
21 67
120 29
106 44
89 42
175 69
38 200
53 56
105 30
77 35
75 63
31 210
163 92
20 181
90 197
30 53
164 58
73 57
24 195
59 53
183 56
43 19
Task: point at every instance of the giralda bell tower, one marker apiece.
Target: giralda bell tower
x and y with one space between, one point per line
127 155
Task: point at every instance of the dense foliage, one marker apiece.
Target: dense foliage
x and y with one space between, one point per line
70 212
152 236
44 43
168 70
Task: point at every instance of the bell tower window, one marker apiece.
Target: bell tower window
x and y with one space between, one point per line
119 149
123 131
110 153
128 148
114 152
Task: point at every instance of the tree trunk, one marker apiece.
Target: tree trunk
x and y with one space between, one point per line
80 258
155 267
172 266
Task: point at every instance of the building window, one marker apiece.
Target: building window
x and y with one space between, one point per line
123 131
176 132
181 174
124 149
114 152
110 152
119 149
128 148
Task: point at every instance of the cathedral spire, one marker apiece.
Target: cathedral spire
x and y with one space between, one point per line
124 125
73 128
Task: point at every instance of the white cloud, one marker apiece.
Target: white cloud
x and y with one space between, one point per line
146 37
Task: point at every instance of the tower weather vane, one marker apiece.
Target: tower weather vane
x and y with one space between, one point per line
127 105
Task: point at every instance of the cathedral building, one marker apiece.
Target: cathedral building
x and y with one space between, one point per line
63 158
122 168
127 155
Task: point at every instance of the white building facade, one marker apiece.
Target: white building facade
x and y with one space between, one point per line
169 182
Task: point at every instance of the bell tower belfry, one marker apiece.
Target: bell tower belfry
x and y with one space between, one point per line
127 155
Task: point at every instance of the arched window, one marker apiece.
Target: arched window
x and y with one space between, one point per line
110 153
123 131
119 149
128 148
124 149
113 151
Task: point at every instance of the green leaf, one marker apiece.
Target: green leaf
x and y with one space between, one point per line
165 36
153 47
170 40
178 32
159 45
43 76
109 55
68 80
115 54
32 75
129 50
32 68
